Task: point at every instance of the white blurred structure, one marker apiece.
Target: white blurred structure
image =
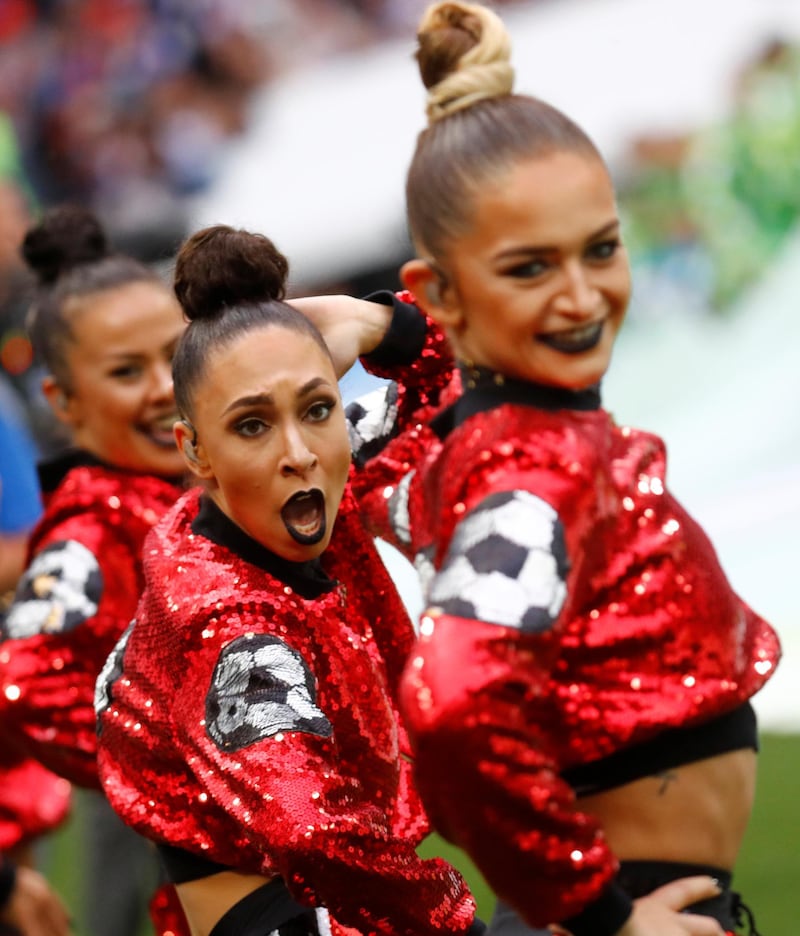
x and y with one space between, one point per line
322 169
322 173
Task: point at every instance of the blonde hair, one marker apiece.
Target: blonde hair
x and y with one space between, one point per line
477 126
482 71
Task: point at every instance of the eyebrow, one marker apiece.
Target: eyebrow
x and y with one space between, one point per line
604 231
137 355
267 399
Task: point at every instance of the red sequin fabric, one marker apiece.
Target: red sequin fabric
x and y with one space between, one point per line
77 596
32 799
259 729
634 629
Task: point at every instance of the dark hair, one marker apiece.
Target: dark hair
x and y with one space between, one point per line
228 282
70 255
476 126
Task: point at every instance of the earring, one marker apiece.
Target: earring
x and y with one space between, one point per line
433 292
188 450
190 445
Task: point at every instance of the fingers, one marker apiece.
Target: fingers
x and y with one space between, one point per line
55 919
34 908
701 926
685 891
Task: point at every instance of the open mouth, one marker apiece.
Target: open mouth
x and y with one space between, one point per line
574 341
303 516
159 431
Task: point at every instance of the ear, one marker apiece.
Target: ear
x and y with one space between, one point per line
433 293
65 407
191 449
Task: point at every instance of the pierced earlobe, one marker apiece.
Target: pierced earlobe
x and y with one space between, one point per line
189 446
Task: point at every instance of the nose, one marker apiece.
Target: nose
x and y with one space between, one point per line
297 457
577 295
161 388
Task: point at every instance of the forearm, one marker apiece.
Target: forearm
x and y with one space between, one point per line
351 327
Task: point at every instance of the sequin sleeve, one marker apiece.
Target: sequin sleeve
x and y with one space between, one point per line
421 370
33 800
261 744
76 596
487 765
63 618
388 427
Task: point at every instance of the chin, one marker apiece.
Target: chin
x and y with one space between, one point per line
170 467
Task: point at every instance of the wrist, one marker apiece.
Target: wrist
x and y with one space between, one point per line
403 335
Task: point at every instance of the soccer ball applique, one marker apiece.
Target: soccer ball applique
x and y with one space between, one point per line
507 564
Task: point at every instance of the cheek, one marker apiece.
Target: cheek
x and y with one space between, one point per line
116 404
337 467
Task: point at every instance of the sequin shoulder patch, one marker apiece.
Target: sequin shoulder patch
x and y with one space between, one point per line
60 589
507 564
260 687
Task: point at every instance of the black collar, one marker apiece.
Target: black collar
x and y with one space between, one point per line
308 579
486 391
53 471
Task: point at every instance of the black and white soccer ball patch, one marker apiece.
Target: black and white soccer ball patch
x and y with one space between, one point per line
507 564
109 674
261 686
372 422
397 506
59 590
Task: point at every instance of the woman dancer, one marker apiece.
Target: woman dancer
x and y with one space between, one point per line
247 720
579 695
105 327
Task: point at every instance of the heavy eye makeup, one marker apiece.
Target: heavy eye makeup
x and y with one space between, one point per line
528 269
253 425
125 371
250 427
321 410
604 249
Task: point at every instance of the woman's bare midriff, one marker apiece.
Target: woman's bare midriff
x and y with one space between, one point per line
206 900
696 813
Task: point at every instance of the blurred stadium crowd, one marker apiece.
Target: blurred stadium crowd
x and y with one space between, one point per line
126 105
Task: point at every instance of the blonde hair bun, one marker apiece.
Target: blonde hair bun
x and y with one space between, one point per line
463 53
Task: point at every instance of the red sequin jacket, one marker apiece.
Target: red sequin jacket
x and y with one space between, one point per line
32 799
75 599
576 610
250 716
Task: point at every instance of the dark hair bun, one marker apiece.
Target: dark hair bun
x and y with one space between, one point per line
65 237
221 267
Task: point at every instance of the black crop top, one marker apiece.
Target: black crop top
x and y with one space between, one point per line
671 748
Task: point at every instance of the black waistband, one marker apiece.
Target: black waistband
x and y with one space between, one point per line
638 878
269 909
672 748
